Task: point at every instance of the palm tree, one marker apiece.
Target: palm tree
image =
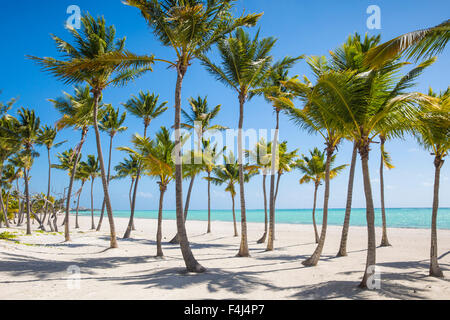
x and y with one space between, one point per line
313 167
128 168
157 161
92 169
146 107
228 174
245 65
198 118
417 44
83 177
9 145
190 28
28 132
260 158
47 136
111 124
367 104
432 130
100 60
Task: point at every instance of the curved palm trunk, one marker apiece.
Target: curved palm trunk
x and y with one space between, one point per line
48 184
27 201
316 187
113 240
108 179
435 270
4 210
92 205
209 203
314 259
69 192
191 263
370 216
130 226
271 238
243 250
175 239
384 238
77 226
162 190
348 207
234 217
263 238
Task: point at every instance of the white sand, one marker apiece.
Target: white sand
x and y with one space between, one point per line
131 272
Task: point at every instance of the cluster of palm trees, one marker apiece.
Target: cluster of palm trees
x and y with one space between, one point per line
358 95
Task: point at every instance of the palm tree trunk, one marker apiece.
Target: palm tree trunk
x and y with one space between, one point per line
69 192
314 259
162 190
243 250
77 226
384 238
48 183
209 203
435 270
109 178
92 205
271 238
348 207
316 187
27 200
370 216
113 240
191 263
133 206
234 217
5 214
175 239
263 238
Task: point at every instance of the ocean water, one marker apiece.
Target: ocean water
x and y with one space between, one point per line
419 218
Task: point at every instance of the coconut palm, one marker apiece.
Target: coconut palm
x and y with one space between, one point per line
111 124
313 169
100 60
47 136
418 44
368 104
92 169
128 168
260 158
82 176
198 118
245 65
228 174
147 108
432 131
190 28
28 132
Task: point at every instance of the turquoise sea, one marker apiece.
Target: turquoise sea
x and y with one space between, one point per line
419 218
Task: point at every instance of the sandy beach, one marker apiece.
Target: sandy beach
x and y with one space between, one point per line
41 266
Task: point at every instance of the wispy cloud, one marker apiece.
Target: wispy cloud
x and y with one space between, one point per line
427 184
146 195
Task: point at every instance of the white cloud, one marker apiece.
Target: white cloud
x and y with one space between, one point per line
427 184
146 195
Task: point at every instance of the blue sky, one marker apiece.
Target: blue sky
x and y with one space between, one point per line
301 27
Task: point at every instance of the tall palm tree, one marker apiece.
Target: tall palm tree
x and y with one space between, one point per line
313 168
128 168
100 60
432 131
245 65
28 131
273 90
228 174
146 107
111 124
190 28
82 176
198 118
260 158
418 44
92 169
47 136
365 106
